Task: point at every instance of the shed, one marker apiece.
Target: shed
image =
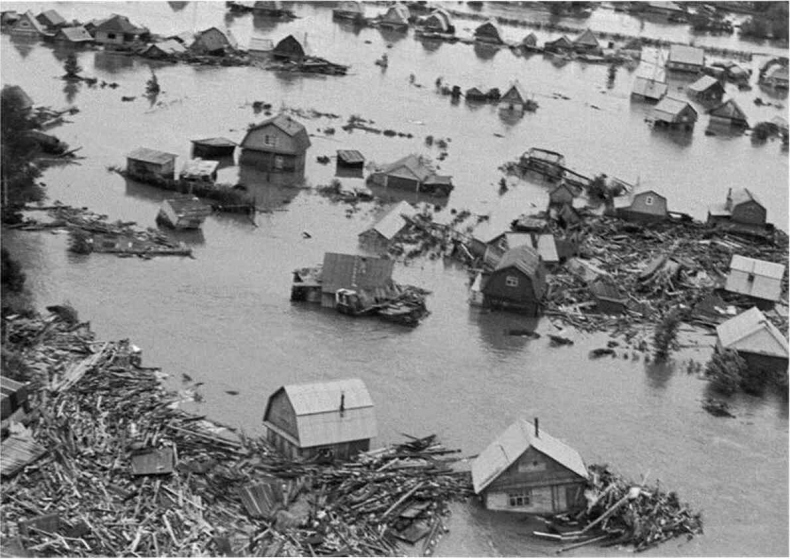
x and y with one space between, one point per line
685 58
563 44
200 170
396 17
707 88
527 470
586 42
757 279
170 47
117 30
729 113
213 147
756 339
530 41
518 282
27 24
183 213
289 48
370 277
276 144
488 32
350 158
213 41
74 35
393 223
51 19
514 98
741 206
260 46
144 162
439 21
674 113
648 206
608 298
649 89
333 418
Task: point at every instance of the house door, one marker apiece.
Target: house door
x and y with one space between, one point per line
279 162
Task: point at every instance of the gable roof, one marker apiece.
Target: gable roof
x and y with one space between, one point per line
289 45
397 13
51 17
530 40
685 54
28 16
729 109
75 34
737 196
317 409
524 258
487 28
742 333
170 46
288 125
672 106
148 155
518 89
226 35
119 24
563 41
394 220
414 164
648 193
511 444
443 16
704 84
351 271
587 38
650 88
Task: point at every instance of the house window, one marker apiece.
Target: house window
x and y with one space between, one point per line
511 281
649 201
268 140
520 498
111 35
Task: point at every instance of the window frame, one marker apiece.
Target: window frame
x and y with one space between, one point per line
511 281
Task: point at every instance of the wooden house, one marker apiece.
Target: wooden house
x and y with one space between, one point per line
28 25
289 49
396 17
496 247
332 419
145 162
350 159
164 49
518 282
645 207
276 144
649 89
439 22
608 298
370 277
475 94
488 32
756 339
758 280
685 58
777 77
353 11
527 470
586 43
73 35
118 31
183 213
741 207
514 99
674 113
729 114
397 220
51 20
213 41
213 147
706 89
563 44
413 173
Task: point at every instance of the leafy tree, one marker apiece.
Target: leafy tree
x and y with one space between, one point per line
725 371
72 67
665 337
13 278
152 86
18 150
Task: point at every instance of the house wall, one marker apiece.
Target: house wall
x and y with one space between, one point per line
166 170
681 67
341 451
24 26
738 282
519 297
373 239
399 181
749 212
281 413
649 203
724 121
542 500
110 38
270 137
269 161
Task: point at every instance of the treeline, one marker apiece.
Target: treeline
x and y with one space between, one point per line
769 22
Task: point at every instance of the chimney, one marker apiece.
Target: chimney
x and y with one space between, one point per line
537 429
342 403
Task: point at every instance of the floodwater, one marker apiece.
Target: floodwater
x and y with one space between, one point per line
224 318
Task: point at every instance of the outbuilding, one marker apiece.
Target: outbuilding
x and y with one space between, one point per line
74 35
707 88
183 213
518 282
527 470
145 162
649 89
514 99
488 32
413 173
758 280
645 207
674 113
332 419
276 144
214 41
741 207
729 114
685 58
392 224
290 49
756 339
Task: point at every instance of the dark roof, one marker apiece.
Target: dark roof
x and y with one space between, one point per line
563 41
148 155
289 46
215 142
586 38
415 166
120 24
488 28
354 272
729 109
350 156
738 196
288 125
51 17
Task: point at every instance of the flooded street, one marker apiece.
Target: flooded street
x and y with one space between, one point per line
224 318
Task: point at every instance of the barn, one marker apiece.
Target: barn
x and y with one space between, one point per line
527 470
326 419
729 114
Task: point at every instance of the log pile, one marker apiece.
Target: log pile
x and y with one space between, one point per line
126 472
619 512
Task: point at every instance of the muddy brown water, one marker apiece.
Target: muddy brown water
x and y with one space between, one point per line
225 319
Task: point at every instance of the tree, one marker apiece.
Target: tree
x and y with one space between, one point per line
13 278
72 67
725 371
665 337
17 150
152 86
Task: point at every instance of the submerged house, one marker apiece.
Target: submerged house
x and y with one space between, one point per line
370 277
527 470
213 41
586 42
117 31
758 280
51 19
396 17
563 44
530 42
707 88
145 162
729 114
183 213
392 224
674 113
73 35
741 207
517 283
165 49
439 22
776 77
685 58
649 89
756 339
28 25
645 207
290 49
333 419
514 98
413 173
213 147
349 10
488 32
276 144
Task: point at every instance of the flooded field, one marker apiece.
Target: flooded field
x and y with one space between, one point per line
225 319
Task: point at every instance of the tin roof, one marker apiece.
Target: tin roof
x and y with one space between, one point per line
587 38
511 444
75 34
394 220
350 271
685 54
148 155
319 420
751 332
650 88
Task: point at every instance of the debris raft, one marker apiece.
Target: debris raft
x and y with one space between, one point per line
625 513
126 472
